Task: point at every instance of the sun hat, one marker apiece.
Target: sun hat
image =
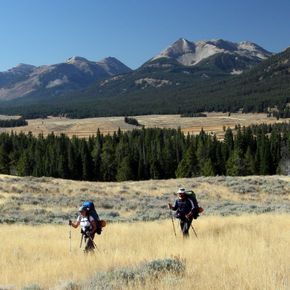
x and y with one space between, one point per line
181 190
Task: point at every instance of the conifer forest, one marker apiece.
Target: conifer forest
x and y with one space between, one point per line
147 154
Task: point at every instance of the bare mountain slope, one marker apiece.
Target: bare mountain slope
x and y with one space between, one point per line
52 80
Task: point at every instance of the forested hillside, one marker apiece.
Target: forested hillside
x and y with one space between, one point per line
148 154
168 87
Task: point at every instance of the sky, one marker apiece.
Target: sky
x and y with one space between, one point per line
42 32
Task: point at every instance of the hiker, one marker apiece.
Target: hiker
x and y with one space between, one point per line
88 227
185 211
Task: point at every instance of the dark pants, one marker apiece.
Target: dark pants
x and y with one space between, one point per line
185 226
89 244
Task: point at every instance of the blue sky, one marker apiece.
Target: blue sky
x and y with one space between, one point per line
50 31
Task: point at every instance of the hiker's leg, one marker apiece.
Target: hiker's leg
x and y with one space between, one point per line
92 242
185 229
188 224
89 244
181 225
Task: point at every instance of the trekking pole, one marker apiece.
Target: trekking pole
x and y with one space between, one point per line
173 225
81 241
194 231
69 236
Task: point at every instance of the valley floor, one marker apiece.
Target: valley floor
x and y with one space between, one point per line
213 123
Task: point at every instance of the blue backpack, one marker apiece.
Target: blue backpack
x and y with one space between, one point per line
93 213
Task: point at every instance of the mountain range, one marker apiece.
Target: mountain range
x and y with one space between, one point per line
186 76
51 80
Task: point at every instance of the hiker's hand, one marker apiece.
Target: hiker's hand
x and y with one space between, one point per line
69 222
189 215
170 205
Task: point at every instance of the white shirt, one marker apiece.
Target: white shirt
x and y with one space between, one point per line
85 222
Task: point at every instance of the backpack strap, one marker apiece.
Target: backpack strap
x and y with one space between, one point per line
192 204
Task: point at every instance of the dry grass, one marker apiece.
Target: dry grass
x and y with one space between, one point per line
234 252
248 252
214 122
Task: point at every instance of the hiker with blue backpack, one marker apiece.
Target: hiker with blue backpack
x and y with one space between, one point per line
90 224
187 209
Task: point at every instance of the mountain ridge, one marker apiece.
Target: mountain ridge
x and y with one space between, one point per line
220 82
50 80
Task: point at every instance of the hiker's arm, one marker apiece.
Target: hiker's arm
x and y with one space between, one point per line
74 224
94 226
173 207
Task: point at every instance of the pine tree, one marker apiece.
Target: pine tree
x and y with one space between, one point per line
108 165
188 166
266 158
207 168
4 160
154 169
87 166
124 171
228 144
249 163
235 164
24 165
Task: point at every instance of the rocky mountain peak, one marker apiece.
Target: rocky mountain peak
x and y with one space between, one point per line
190 53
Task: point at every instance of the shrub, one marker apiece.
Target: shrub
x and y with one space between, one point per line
151 270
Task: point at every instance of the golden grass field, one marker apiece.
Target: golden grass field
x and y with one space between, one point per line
249 251
246 252
214 122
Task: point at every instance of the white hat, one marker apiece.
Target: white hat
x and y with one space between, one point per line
181 190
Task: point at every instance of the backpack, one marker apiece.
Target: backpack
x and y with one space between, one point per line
192 196
93 213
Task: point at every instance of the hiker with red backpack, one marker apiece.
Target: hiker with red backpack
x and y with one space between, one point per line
186 208
90 224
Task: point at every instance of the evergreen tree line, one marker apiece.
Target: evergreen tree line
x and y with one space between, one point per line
147 154
13 123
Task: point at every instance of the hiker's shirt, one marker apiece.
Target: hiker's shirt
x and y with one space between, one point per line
85 222
183 207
